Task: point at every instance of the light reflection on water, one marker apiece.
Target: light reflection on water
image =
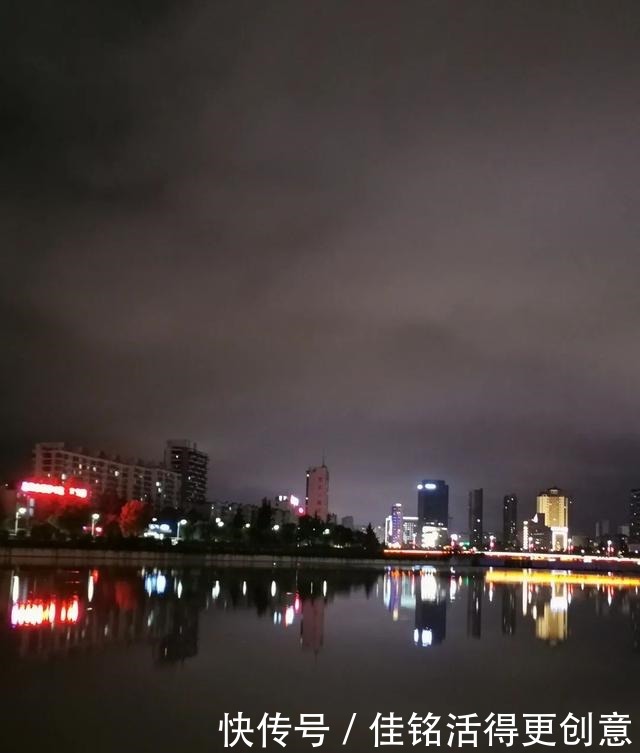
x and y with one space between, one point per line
50 612
543 598
151 659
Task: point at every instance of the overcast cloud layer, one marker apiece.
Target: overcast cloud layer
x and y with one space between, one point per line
404 233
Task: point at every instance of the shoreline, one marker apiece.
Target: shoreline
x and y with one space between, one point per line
79 556
64 556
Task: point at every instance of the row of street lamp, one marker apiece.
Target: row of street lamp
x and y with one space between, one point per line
22 511
95 517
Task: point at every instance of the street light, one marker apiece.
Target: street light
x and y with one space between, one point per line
19 513
95 517
182 522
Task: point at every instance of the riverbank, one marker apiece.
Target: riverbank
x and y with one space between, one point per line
70 556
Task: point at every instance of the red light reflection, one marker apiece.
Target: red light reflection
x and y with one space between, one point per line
37 612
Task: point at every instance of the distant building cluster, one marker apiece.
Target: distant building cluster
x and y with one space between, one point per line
546 531
180 481
63 474
108 474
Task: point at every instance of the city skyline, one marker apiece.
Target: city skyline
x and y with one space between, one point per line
494 521
320 374
413 245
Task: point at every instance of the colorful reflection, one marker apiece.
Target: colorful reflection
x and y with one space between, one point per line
551 577
53 612
541 600
38 612
424 592
161 607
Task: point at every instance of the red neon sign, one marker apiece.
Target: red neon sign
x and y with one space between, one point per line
59 490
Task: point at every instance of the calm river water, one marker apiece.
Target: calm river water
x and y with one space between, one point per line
151 660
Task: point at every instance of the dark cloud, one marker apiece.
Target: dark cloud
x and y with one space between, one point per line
402 233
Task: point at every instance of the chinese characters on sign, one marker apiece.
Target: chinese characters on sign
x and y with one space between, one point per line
453 731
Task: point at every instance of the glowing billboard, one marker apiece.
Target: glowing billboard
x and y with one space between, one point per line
57 490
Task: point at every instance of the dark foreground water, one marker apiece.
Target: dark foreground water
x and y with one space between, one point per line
143 660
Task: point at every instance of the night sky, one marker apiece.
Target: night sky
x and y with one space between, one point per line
402 233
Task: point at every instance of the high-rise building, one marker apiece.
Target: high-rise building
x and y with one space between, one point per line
317 493
107 474
634 517
553 503
396 526
184 457
410 533
510 521
433 514
536 535
347 522
433 503
475 518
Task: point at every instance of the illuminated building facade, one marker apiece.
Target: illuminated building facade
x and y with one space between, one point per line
286 508
510 521
184 458
553 503
433 537
536 535
397 532
475 518
410 534
634 516
433 513
317 492
410 531
104 474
